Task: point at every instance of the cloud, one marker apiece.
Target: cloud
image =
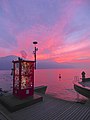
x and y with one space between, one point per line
4 51
60 27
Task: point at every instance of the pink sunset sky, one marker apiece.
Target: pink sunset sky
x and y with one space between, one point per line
61 28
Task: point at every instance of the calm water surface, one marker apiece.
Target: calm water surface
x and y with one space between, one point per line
58 87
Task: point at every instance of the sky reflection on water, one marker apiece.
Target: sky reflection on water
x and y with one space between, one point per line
57 87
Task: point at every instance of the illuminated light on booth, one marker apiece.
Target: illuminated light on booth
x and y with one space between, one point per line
23 78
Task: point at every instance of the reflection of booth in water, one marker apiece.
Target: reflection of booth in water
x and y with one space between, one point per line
23 78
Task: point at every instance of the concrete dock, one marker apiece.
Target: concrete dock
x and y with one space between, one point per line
49 109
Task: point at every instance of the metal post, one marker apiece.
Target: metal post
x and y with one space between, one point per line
35 57
35 52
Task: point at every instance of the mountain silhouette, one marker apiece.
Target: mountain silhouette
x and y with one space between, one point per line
6 63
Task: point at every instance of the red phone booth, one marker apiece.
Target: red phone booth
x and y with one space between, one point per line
23 78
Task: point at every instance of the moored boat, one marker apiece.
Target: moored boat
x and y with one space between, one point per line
40 89
83 88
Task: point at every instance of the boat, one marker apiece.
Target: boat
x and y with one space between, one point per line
40 89
83 88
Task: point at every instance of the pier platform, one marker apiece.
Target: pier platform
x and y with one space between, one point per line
50 109
13 103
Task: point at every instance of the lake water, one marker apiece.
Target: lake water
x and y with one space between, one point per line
58 87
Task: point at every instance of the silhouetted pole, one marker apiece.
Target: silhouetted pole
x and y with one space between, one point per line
34 52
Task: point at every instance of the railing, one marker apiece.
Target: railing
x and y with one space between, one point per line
76 79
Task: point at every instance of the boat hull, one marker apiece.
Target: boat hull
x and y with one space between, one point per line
40 89
83 90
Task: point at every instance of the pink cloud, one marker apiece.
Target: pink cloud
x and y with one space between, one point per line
51 40
4 51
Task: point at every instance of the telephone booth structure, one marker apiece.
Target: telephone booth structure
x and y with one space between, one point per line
23 78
